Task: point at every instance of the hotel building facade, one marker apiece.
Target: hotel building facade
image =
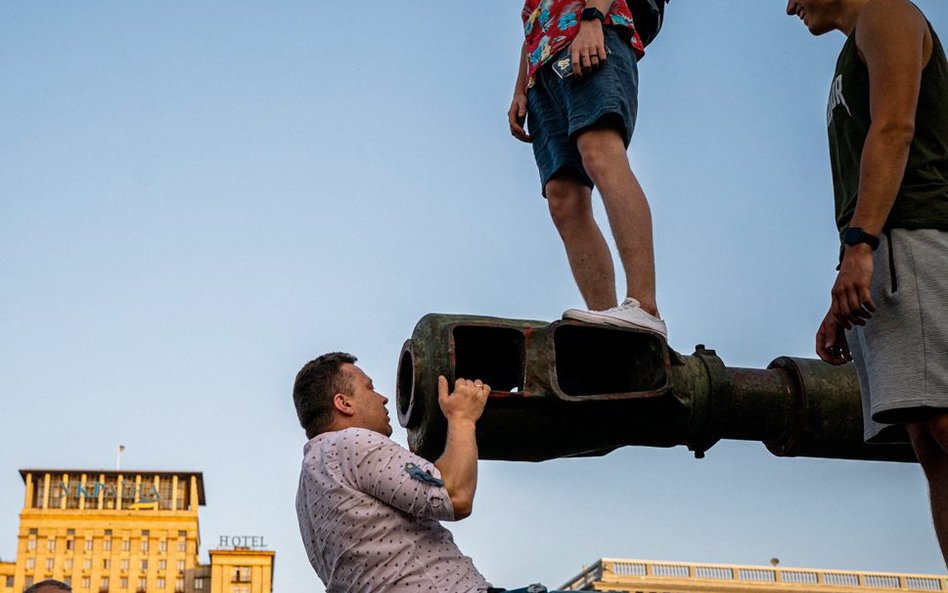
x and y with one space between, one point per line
126 532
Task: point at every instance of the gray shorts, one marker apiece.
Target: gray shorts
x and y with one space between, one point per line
901 354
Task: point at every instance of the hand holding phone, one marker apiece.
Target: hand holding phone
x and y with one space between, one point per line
564 66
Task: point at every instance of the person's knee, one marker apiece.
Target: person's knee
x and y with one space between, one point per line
568 203
938 427
930 441
603 153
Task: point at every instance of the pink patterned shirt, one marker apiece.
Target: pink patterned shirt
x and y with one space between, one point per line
370 525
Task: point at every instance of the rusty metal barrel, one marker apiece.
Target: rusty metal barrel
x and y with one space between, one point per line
566 389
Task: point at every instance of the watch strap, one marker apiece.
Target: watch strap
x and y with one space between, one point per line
592 14
854 236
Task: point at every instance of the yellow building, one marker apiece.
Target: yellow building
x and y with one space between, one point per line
126 532
644 576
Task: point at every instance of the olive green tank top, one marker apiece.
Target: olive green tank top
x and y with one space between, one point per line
922 201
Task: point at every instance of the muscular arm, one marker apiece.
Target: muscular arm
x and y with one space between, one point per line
458 463
893 40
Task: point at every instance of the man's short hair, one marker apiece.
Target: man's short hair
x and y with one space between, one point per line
47 583
316 384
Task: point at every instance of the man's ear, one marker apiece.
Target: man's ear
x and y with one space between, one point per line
341 403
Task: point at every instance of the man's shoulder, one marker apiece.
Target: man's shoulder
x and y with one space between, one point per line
347 438
358 439
885 12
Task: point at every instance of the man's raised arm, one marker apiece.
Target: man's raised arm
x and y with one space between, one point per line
458 463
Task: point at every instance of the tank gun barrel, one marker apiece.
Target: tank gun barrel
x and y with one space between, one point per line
566 389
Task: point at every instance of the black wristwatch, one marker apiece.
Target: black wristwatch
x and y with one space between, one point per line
592 14
854 236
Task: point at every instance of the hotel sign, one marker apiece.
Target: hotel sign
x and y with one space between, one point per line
241 541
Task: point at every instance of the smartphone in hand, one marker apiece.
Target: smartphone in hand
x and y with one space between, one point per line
564 66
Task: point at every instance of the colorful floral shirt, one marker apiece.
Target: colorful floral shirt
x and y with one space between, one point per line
551 25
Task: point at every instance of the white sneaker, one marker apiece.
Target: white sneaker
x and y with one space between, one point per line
628 314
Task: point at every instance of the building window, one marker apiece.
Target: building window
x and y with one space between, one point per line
68 581
144 565
198 583
146 532
33 530
106 563
51 544
163 546
56 495
31 544
107 545
180 565
86 582
70 532
144 545
182 533
161 582
241 588
28 581
104 584
39 492
126 545
30 563
88 544
123 582
10 581
124 565
164 494
49 564
87 564
241 574
142 584
162 565
67 564
179 585
182 545
69 544
182 502
108 533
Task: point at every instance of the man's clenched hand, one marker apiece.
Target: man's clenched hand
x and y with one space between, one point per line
517 117
466 403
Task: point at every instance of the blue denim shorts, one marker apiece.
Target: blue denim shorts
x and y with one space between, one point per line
559 109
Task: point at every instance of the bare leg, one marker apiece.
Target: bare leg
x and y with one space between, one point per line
570 204
605 159
930 440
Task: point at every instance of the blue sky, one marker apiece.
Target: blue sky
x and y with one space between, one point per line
197 198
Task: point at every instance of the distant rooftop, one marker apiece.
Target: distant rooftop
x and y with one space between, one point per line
610 574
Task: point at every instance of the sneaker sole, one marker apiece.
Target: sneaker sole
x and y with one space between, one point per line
594 319
629 325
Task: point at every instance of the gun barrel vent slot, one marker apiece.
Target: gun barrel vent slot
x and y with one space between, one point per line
599 361
495 355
